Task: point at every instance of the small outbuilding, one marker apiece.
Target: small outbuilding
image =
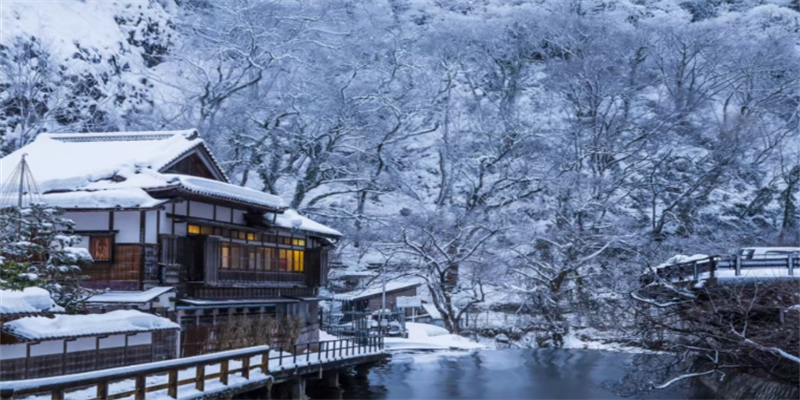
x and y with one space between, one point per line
35 342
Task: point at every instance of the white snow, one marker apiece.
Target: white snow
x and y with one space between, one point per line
375 288
224 190
292 219
116 198
432 310
430 337
681 259
28 300
129 297
38 328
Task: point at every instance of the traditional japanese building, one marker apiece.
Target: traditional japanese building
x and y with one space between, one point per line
171 235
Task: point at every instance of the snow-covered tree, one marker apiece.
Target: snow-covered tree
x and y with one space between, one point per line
37 247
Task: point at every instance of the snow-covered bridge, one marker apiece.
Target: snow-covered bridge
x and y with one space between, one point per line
732 268
220 375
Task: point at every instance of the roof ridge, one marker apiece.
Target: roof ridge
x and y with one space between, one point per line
188 134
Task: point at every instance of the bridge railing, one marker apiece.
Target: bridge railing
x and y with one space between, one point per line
247 365
713 265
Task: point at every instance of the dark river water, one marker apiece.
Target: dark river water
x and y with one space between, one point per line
499 374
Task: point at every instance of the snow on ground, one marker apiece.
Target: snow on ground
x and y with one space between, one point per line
430 337
29 300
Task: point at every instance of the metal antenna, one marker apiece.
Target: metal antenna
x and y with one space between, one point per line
20 188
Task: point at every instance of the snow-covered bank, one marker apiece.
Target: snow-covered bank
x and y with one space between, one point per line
430 337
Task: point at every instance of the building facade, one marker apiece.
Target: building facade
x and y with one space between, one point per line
170 234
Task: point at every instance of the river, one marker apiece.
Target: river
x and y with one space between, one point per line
499 374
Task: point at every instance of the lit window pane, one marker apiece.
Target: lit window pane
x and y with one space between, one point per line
194 229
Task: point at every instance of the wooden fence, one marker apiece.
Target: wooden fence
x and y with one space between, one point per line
714 265
169 376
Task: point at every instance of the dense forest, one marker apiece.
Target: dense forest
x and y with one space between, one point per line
549 149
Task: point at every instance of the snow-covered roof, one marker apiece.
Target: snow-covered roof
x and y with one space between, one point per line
32 300
292 219
375 289
66 326
212 188
134 297
102 199
121 169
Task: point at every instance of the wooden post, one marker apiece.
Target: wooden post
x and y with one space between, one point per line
738 265
265 363
172 389
57 394
308 352
200 378
246 367
140 387
713 267
294 355
223 372
102 390
694 268
791 264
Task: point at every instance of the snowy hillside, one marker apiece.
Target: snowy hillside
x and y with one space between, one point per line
551 150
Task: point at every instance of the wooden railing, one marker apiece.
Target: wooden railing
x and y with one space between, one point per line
170 375
713 265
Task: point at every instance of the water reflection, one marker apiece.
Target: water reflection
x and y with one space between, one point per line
494 374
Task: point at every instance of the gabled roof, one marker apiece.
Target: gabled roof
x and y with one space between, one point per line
121 169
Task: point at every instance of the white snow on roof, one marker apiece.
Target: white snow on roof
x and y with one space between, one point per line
28 300
224 190
115 198
375 288
61 162
39 328
292 219
432 310
130 297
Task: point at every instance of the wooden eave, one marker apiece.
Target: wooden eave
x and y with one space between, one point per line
175 191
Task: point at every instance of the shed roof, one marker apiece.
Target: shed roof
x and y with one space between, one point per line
133 297
70 326
32 300
375 290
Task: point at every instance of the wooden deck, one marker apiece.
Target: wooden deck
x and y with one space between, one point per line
784 266
220 374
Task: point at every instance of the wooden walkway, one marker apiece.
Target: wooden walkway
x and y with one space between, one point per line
224 374
721 267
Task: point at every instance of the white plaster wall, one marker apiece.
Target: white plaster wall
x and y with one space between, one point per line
180 228
238 217
11 351
141 338
89 221
201 210
47 347
180 208
82 344
127 222
112 341
166 222
223 214
150 228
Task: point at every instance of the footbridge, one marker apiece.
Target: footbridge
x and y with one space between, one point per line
218 375
732 268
